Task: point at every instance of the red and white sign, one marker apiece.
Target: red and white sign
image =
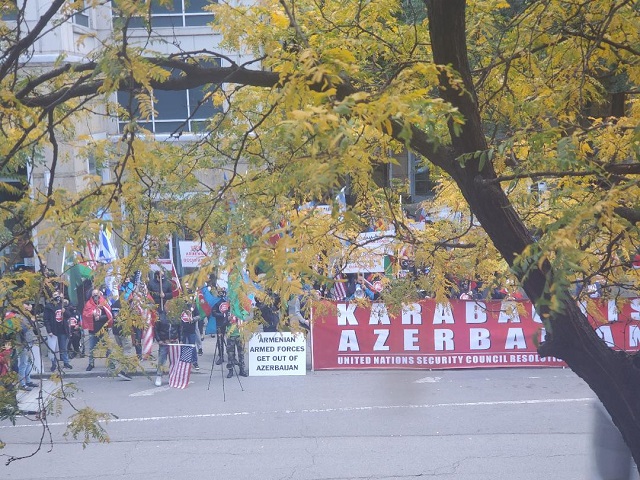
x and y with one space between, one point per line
457 334
224 307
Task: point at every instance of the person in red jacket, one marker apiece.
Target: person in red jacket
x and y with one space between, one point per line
97 319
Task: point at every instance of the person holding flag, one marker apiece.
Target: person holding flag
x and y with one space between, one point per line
57 326
161 291
139 302
164 331
188 327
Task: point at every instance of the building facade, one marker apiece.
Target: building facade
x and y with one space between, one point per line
184 26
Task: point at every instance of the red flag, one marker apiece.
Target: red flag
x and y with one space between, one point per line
180 357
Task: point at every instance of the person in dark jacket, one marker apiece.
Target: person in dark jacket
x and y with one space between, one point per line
165 332
161 290
189 327
235 348
270 311
57 325
75 329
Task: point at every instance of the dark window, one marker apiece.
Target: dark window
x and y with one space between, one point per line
181 13
423 183
171 104
91 164
82 17
175 111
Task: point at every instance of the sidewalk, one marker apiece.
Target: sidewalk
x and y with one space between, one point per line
148 367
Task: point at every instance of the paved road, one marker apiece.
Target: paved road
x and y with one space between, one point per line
465 424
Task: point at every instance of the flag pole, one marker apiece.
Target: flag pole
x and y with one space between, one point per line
161 293
64 257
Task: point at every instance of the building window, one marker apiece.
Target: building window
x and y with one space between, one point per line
181 13
82 17
175 111
423 183
92 168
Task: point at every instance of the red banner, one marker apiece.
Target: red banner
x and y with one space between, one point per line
458 334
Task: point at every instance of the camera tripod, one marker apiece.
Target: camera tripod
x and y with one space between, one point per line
222 375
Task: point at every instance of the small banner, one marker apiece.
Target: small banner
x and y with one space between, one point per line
192 253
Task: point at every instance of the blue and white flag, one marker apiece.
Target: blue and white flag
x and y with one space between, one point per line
106 252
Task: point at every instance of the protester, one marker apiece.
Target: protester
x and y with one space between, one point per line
57 326
199 314
295 311
75 329
97 319
165 332
360 291
270 311
351 286
235 347
201 323
5 362
139 302
121 335
161 291
27 339
188 328
218 320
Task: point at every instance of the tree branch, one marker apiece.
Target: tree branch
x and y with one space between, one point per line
13 53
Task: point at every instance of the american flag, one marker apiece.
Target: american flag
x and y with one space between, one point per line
147 340
180 357
147 336
339 290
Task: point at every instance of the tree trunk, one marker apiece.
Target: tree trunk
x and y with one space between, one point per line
612 375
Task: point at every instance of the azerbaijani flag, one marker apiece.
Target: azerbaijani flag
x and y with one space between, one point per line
240 302
78 269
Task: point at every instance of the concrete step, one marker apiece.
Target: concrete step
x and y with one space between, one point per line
37 400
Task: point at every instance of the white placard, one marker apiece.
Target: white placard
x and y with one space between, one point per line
192 253
277 353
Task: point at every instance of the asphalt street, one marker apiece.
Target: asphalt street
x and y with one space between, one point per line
447 424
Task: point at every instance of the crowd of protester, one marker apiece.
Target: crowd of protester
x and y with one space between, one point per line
64 331
158 314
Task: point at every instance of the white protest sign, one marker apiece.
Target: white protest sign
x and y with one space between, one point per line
370 257
192 253
277 353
